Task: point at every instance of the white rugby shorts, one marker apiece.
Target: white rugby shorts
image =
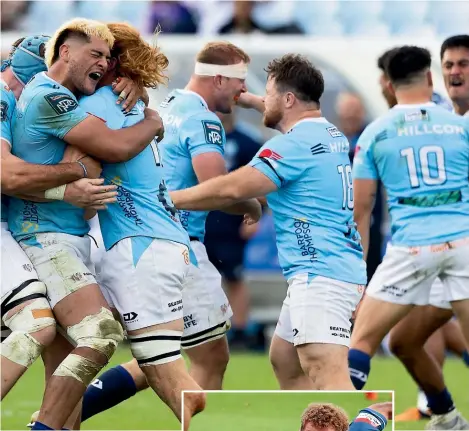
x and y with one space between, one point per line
318 310
407 274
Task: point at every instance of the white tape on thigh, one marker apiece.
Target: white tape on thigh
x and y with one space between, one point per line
21 348
100 332
156 347
79 368
33 317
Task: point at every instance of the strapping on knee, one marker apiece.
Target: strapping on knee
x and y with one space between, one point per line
21 348
100 332
79 368
156 347
211 334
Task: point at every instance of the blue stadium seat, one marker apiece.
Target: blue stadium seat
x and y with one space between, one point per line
318 18
134 12
355 14
404 16
449 17
101 11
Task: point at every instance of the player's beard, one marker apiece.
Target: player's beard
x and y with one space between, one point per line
80 79
272 117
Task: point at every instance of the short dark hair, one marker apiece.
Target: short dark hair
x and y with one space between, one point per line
384 58
459 41
406 63
295 73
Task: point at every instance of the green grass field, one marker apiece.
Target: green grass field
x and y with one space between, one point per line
245 372
280 411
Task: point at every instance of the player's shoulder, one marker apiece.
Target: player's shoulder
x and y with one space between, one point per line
8 101
6 92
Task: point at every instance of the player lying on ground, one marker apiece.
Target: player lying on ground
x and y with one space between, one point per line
419 151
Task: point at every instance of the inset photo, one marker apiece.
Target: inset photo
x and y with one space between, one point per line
290 411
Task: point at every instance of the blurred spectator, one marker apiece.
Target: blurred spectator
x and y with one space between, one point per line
352 122
226 236
12 13
172 17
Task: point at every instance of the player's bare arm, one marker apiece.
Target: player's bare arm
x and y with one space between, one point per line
35 182
93 137
364 193
251 101
211 165
244 183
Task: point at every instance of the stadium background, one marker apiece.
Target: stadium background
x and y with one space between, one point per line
344 38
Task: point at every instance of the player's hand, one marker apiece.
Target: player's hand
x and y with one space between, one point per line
254 214
93 167
90 193
129 93
72 154
384 408
247 231
251 101
150 114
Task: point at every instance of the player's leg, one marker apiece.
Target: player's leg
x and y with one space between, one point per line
284 357
403 279
25 312
408 343
206 320
63 262
144 277
322 340
454 340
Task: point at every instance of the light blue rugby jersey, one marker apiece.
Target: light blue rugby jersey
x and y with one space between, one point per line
45 113
190 129
7 104
421 154
313 205
143 208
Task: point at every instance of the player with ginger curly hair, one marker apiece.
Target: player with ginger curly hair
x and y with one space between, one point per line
329 417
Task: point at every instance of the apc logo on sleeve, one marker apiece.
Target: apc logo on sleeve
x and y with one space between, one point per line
213 132
4 111
61 103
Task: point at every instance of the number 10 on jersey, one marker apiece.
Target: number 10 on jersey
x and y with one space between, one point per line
345 172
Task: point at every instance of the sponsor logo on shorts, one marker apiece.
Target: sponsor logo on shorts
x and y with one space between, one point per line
130 317
189 321
361 288
369 419
295 332
224 308
305 240
337 331
28 267
394 291
175 306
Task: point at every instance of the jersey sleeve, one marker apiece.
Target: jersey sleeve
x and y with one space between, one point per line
277 160
6 113
368 420
203 134
364 166
55 113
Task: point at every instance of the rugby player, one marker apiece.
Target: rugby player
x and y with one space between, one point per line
420 190
25 309
329 417
407 336
147 258
192 152
305 173
48 118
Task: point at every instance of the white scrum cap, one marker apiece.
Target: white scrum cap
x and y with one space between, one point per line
238 70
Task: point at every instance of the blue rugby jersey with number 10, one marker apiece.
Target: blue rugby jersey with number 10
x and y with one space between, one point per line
191 129
143 206
421 155
313 205
8 103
